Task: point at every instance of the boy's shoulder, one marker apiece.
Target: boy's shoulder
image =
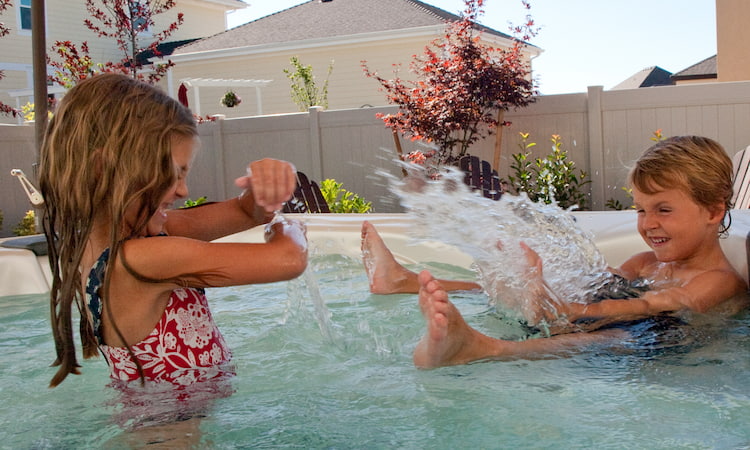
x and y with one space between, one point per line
634 266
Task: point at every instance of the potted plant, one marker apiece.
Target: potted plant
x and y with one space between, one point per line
231 99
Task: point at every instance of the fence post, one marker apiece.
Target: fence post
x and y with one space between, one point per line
219 169
596 147
316 145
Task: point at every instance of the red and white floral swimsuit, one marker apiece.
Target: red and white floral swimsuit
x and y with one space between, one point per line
186 346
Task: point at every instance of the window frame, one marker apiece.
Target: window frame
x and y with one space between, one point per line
20 6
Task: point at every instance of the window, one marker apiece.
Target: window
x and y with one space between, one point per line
24 15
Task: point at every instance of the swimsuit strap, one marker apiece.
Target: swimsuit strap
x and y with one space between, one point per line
95 281
620 288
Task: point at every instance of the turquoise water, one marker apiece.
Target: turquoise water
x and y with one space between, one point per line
340 375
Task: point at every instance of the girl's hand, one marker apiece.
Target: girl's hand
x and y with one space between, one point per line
271 181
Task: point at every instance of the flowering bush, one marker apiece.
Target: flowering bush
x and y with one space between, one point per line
129 24
27 225
27 111
462 85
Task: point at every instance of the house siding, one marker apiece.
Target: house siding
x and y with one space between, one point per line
733 40
348 85
65 23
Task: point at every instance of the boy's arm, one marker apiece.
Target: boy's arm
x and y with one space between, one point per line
702 293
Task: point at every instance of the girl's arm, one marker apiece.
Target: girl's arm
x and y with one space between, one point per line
267 185
214 220
208 264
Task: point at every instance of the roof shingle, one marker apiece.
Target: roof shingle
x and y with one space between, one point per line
703 69
322 19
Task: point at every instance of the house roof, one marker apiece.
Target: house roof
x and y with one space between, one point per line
648 77
701 70
165 49
230 4
317 19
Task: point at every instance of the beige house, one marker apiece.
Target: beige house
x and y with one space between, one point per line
733 40
250 59
65 23
732 59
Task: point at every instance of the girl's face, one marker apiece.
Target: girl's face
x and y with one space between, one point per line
183 149
674 225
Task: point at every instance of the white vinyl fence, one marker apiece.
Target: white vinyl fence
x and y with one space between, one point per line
603 132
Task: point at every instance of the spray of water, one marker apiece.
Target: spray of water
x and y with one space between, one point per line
306 286
491 232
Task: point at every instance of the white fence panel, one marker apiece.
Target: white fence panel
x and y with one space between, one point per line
602 131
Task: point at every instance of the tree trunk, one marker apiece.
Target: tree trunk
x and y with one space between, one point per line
400 151
498 140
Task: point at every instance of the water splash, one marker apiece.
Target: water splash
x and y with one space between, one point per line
446 210
296 292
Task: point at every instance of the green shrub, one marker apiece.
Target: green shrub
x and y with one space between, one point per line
27 225
189 203
548 179
305 91
615 204
342 201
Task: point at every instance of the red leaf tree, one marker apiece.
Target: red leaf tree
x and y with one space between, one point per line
131 24
5 109
461 85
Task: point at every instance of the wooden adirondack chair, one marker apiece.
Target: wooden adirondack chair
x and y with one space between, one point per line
480 176
307 197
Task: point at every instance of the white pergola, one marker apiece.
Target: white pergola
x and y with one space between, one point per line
197 83
28 95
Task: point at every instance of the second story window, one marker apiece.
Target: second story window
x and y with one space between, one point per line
24 15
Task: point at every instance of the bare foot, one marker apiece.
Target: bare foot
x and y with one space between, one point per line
449 339
385 274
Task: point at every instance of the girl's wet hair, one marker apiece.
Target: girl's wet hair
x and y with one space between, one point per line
107 150
696 165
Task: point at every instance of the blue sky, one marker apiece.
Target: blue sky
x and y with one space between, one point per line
586 42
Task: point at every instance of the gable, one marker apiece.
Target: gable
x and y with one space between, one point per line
648 77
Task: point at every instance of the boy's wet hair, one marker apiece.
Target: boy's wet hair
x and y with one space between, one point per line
698 166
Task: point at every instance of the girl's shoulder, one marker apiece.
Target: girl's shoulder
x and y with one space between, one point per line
158 257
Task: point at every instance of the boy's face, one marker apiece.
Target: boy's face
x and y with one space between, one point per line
674 225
